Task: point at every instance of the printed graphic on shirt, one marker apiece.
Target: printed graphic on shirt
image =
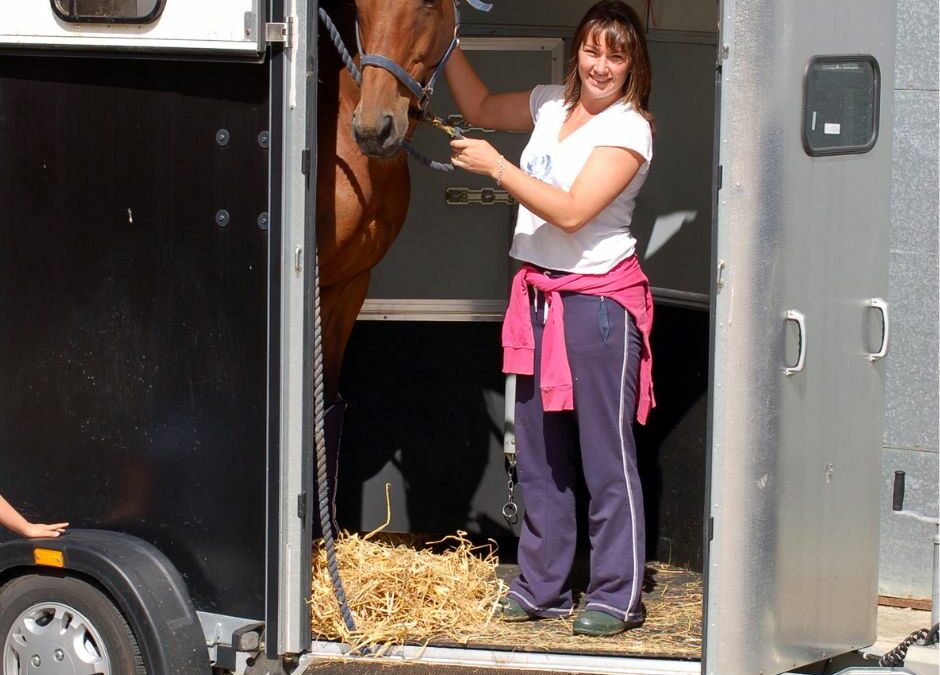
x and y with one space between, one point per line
539 166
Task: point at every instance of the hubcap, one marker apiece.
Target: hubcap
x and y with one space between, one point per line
54 639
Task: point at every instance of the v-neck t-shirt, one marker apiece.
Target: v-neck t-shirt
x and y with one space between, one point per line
605 240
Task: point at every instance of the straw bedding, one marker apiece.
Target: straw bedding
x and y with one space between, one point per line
447 593
398 594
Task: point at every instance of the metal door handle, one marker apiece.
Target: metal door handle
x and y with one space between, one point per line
800 319
881 306
460 196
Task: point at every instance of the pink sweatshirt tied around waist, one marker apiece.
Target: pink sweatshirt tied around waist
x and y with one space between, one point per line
625 284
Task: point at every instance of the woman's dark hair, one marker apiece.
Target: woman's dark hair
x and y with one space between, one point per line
622 29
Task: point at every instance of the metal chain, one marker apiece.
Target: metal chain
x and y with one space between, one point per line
510 508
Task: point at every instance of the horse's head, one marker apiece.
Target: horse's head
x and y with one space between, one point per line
415 35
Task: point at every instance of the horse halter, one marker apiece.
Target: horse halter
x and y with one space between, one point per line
422 93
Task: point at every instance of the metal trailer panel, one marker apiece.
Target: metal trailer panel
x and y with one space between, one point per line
133 333
469 279
293 200
218 26
795 470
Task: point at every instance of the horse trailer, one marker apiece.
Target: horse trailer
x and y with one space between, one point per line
158 342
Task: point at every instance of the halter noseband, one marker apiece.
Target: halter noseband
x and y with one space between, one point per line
422 93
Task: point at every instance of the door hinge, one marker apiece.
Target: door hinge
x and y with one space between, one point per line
305 161
280 32
251 20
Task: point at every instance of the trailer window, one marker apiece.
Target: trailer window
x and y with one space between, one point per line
108 11
840 105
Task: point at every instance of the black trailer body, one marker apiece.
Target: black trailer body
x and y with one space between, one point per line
142 301
134 328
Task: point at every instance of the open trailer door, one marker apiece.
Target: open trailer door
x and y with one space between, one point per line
801 245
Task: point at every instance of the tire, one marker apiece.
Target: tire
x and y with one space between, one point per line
62 625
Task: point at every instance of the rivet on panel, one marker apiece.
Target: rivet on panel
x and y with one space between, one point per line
263 221
222 137
264 139
221 218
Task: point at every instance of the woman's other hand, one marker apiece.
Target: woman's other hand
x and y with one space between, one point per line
476 156
37 530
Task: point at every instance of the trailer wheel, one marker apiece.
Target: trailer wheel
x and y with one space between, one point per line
52 625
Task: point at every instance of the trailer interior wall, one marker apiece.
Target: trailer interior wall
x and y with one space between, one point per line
912 404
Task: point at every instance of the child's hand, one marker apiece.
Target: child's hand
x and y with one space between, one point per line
36 530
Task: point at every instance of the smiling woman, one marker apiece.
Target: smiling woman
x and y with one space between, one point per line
577 184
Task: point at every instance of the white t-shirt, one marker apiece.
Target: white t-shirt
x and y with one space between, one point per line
606 240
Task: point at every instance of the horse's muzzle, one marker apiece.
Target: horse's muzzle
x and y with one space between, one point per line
382 139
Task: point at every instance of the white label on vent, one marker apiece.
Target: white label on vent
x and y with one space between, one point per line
832 129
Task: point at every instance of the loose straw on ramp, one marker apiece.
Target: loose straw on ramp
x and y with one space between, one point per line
400 595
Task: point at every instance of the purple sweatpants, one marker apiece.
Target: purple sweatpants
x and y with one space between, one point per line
603 347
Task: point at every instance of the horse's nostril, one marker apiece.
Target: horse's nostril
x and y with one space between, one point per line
387 129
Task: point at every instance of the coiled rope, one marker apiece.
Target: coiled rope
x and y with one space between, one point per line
326 521
895 657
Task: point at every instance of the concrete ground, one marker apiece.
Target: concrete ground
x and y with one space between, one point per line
895 624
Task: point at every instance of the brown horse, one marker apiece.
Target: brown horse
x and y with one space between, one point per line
363 186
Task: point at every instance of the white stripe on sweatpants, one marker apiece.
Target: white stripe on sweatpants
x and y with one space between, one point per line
637 573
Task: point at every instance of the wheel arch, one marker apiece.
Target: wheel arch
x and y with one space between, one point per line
141 581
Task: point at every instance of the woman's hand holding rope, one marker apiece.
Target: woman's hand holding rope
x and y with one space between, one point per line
477 156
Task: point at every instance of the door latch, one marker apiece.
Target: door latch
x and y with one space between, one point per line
461 196
280 32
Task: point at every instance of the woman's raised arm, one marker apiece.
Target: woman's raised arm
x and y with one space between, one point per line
505 112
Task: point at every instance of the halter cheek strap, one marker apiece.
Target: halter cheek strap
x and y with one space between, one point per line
379 61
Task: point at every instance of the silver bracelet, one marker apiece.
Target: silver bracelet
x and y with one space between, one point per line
499 172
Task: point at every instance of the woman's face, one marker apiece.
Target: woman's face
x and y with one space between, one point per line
603 70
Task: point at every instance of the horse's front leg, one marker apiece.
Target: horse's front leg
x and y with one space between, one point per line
339 306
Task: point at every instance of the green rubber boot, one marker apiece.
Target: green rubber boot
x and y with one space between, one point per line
599 624
511 610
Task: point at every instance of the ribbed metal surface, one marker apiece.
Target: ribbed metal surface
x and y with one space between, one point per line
911 398
917 56
796 460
